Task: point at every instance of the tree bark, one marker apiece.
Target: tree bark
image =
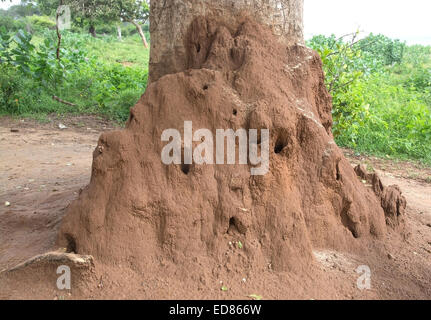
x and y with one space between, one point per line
170 19
63 101
57 28
141 33
120 36
92 30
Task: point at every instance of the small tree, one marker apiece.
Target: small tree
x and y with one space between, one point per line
92 11
136 12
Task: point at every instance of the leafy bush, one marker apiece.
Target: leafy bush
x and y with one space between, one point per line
385 50
12 24
119 106
34 75
39 23
344 67
10 85
23 52
381 94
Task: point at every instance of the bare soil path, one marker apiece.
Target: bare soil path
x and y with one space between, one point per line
43 167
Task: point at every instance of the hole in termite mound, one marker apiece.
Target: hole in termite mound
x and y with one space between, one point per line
185 168
237 226
71 244
235 112
281 143
232 226
338 173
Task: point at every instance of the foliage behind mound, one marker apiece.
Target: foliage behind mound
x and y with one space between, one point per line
382 94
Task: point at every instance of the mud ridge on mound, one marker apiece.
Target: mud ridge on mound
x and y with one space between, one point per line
392 200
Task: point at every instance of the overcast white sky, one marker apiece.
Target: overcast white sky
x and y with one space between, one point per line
408 20
7 4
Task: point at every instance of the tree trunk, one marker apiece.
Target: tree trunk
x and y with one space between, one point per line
120 37
141 32
57 28
169 21
92 30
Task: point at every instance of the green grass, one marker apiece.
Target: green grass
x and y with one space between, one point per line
131 50
108 48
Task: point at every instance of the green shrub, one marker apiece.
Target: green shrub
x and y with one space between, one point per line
10 86
385 50
399 121
129 29
11 24
381 95
344 66
85 76
118 107
40 23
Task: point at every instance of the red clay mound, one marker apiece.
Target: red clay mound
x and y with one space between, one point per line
140 213
393 202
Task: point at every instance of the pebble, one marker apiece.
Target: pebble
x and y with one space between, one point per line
7 204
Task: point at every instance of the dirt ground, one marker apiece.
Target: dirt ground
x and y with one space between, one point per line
43 168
